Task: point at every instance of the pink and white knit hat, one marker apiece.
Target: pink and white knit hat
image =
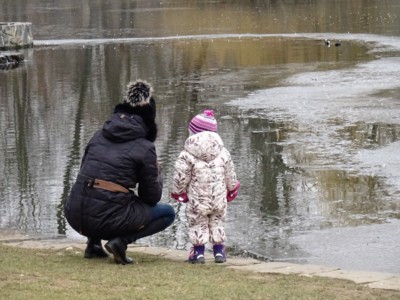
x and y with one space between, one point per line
203 122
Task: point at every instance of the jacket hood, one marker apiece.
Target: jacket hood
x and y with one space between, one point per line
205 145
146 112
122 127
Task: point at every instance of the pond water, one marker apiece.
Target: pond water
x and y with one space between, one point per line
314 129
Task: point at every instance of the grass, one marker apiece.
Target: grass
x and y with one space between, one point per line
65 274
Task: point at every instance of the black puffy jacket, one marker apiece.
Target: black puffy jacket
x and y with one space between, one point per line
122 153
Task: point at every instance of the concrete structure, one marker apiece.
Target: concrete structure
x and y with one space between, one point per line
15 35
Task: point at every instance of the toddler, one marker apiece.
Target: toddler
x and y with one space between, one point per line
204 178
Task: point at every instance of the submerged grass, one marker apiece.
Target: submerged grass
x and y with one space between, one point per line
64 274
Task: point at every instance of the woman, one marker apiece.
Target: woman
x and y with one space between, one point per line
120 157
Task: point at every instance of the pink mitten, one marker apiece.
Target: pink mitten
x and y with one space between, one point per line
233 194
180 197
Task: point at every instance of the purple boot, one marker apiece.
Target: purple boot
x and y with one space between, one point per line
219 253
197 255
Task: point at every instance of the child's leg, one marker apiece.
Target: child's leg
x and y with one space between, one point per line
198 234
197 226
216 227
217 236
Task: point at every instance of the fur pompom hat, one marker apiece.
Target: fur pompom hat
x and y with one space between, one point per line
203 122
138 93
138 100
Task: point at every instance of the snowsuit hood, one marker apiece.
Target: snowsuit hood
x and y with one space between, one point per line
205 145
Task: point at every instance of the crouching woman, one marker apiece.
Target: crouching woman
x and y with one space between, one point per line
120 157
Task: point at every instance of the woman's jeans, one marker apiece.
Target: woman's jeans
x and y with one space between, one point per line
162 210
163 215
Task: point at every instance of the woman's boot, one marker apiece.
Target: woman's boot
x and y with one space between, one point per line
117 247
94 249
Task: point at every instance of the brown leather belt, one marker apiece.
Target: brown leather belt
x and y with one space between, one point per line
103 184
108 185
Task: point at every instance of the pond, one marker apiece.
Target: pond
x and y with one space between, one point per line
313 127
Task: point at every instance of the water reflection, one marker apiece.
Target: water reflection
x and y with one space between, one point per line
122 18
338 197
373 135
296 160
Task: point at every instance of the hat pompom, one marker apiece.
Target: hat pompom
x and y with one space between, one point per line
138 93
209 113
203 122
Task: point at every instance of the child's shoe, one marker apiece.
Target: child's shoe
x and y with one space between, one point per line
197 255
219 253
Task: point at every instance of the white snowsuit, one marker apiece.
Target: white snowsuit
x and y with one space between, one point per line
205 171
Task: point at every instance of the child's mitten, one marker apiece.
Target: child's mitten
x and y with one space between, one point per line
233 194
180 197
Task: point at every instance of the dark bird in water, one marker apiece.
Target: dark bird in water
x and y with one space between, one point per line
328 43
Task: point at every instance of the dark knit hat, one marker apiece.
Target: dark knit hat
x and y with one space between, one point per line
138 93
203 122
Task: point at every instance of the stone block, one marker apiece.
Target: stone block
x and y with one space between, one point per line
15 35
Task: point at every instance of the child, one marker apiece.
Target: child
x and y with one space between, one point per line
205 179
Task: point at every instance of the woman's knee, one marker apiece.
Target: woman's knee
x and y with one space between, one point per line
165 211
169 214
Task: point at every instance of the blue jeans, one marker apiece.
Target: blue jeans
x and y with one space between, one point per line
163 215
162 210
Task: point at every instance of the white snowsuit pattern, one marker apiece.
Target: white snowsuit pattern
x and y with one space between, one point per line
205 171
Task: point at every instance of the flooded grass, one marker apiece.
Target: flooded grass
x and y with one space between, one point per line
64 274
